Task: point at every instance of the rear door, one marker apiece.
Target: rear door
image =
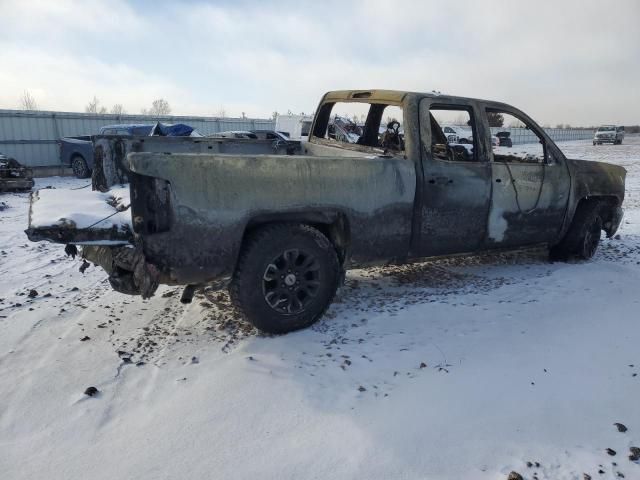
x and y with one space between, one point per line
530 184
456 191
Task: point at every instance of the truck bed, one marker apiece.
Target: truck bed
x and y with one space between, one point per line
212 199
76 216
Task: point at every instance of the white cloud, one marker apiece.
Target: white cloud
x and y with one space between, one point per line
559 61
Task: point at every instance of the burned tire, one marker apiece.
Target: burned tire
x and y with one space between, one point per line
286 277
583 237
79 167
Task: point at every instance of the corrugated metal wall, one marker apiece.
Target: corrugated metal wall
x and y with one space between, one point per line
30 137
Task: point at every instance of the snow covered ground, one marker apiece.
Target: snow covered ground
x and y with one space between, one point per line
463 369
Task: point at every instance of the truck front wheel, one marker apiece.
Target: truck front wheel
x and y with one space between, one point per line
584 234
286 277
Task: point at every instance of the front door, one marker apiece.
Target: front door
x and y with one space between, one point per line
456 189
530 185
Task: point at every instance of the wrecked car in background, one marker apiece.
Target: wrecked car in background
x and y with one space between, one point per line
280 230
14 176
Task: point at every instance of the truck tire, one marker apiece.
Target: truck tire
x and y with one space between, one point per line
79 166
286 277
583 237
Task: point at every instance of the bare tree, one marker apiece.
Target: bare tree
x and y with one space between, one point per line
222 113
28 102
274 115
158 107
495 119
118 109
94 106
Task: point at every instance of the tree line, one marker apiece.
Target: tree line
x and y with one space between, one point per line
161 106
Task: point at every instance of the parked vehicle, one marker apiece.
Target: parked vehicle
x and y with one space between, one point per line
77 152
234 134
279 139
253 134
504 139
270 135
14 176
280 230
462 135
609 134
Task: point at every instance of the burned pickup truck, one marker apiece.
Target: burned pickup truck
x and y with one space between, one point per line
279 230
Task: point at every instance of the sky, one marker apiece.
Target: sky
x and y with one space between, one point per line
562 61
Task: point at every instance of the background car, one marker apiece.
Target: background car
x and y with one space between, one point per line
464 135
77 152
504 139
609 134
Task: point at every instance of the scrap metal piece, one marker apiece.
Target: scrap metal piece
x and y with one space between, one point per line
14 176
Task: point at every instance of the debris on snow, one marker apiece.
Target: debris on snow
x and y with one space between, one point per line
621 428
91 391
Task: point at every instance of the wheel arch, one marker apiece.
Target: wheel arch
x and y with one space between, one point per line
609 205
333 224
610 211
76 154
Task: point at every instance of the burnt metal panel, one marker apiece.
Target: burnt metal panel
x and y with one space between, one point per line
455 194
214 197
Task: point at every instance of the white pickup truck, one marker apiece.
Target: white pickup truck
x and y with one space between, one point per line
609 134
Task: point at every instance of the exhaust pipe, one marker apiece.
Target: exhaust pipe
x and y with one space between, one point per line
187 293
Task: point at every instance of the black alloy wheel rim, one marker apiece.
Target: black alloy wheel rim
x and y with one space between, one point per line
291 281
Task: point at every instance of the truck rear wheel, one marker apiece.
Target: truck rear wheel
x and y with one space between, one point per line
79 166
584 234
286 277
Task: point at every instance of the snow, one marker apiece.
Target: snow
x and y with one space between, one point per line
526 152
525 361
81 208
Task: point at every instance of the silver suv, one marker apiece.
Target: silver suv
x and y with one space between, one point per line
608 134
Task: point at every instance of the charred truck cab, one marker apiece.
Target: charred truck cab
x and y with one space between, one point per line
278 225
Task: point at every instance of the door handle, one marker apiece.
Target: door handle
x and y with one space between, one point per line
440 180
